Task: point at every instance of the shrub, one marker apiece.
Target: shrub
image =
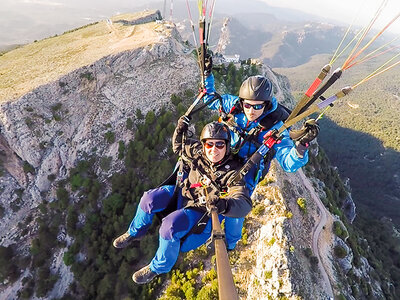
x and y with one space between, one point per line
51 177
88 75
271 241
308 252
69 258
339 251
2 210
302 204
139 114
129 123
28 168
105 163
267 275
314 260
288 214
63 197
258 209
110 137
175 99
339 230
121 149
56 107
28 122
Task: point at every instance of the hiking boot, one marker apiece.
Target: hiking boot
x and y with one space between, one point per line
144 275
123 240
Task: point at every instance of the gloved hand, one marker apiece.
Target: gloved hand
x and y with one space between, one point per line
183 124
305 134
218 202
208 64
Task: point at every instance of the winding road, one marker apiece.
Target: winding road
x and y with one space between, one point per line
317 231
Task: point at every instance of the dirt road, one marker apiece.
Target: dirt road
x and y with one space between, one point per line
317 231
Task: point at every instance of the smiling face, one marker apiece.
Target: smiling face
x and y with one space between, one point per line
214 149
251 113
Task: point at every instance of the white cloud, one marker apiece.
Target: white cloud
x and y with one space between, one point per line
42 2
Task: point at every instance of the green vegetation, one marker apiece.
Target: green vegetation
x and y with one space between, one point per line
96 216
267 275
369 237
271 242
109 137
234 77
87 75
288 214
301 202
339 230
29 122
28 168
146 166
308 252
258 209
339 251
8 269
2 210
129 123
366 124
121 149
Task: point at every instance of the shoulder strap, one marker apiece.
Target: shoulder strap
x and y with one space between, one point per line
281 113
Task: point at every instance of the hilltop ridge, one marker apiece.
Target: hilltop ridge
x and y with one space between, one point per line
27 67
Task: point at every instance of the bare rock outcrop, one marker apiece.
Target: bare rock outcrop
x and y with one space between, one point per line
45 132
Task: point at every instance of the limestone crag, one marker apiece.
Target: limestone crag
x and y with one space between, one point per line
55 125
345 263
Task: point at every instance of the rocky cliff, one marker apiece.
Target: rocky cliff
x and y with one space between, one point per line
55 124
75 101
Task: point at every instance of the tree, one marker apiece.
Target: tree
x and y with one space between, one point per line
150 117
8 267
63 197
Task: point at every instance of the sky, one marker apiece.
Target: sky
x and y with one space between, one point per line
346 11
23 21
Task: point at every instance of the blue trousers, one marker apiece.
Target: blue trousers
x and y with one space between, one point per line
175 226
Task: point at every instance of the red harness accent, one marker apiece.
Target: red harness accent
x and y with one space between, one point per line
195 185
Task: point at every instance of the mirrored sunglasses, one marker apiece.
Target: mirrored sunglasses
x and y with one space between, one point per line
254 106
219 145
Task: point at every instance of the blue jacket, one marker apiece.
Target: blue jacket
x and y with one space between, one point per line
285 151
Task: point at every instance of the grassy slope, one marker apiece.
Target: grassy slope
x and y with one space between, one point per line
30 66
361 133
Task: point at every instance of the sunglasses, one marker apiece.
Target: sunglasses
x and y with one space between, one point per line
254 106
219 145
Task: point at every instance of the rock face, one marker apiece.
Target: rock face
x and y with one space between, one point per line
280 237
345 262
349 208
56 124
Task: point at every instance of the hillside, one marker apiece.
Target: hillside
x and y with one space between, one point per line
366 124
30 66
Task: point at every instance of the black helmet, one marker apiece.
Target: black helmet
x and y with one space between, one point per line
216 130
257 88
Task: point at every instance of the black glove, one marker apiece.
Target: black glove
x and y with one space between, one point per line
306 134
183 124
218 202
208 64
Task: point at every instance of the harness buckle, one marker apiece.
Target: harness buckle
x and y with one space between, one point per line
202 200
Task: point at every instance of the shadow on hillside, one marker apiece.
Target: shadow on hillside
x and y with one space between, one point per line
374 171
